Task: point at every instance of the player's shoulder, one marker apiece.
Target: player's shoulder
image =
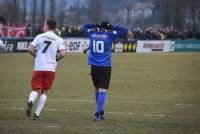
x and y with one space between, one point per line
58 38
51 35
38 36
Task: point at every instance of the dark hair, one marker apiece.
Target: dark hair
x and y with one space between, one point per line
105 25
51 24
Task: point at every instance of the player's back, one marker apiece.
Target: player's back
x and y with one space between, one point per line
100 49
47 45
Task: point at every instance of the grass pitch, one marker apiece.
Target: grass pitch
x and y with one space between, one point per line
149 94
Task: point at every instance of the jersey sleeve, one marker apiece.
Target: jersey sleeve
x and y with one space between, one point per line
35 42
118 32
61 44
89 28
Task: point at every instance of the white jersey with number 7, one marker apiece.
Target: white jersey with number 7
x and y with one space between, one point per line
47 45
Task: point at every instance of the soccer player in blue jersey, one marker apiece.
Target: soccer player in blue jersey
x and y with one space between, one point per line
101 37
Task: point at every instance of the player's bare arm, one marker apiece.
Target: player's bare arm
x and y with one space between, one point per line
31 50
85 50
60 54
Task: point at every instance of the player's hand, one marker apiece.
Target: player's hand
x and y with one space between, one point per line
57 56
85 51
57 59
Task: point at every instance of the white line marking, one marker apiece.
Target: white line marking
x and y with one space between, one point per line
109 112
108 101
148 115
178 104
52 126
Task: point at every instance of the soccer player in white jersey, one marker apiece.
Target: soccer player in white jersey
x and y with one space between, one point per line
50 48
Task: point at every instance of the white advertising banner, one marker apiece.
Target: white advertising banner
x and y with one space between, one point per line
22 45
153 46
76 44
172 45
119 47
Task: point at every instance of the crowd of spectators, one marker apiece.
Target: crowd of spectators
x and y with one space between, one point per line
72 31
148 34
163 34
65 31
135 33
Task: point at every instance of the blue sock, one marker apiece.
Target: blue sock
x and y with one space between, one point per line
97 96
101 101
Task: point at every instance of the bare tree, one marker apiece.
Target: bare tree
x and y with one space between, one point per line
179 14
24 11
172 13
62 12
15 9
34 4
194 12
199 20
78 12
128 7
10 10
95 10
52 8
43 3
165 18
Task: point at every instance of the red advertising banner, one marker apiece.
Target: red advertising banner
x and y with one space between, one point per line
8 31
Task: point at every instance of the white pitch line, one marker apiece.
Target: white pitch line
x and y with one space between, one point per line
108 101
109 112
82 100
150 115
178 104
52 126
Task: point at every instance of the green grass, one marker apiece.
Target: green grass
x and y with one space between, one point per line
149 94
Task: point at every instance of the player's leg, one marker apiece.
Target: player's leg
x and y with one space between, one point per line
96 115
36 88
95 80
47 84
40 105
96 94
100 103
90 74
103 87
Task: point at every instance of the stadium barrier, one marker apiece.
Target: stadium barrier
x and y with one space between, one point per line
72 44
146 46
187 45
16 45
21 45
124 46
77 44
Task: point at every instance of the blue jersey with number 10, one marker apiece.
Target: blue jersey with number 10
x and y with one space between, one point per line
101 44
